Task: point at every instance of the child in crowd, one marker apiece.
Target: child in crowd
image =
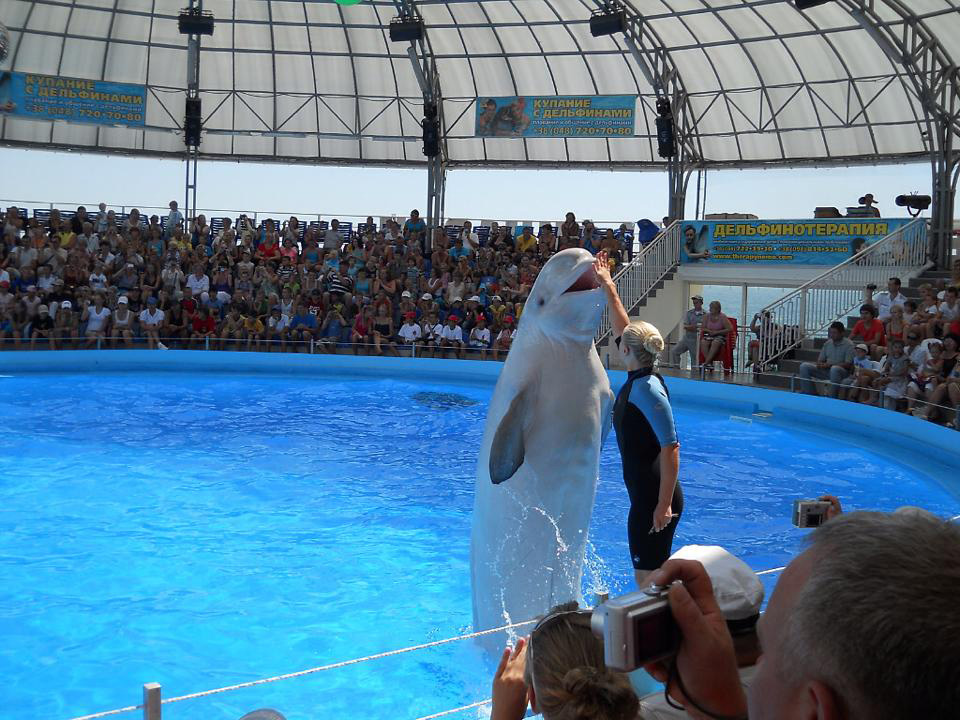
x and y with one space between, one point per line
865 371
451 337
480 337
927 376
504 338
410 333
895 371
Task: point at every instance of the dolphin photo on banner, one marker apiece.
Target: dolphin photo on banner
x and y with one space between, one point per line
783 242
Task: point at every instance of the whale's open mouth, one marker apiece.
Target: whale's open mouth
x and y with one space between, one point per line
588 280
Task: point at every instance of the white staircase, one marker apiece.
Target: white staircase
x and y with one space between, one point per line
647 272
803 315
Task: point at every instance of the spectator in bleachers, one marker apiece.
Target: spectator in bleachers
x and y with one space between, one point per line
869 330
834 362
174 218
715 334
451 336
885 301
42 328
588 237
570 229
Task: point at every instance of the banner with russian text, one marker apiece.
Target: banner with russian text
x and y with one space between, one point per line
52 97
600 116
782 242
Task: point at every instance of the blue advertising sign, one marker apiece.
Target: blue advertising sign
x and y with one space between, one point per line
600 116
51 97
782 242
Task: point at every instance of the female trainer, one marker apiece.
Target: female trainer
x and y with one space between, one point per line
647 436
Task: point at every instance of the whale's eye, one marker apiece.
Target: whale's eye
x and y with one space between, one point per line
542 301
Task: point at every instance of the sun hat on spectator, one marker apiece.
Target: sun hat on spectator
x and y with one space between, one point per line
508 319
405 294
697 297
66 305
496 297
426 296
411 316
123 300
737 588
474 298
457 299
31 287
151 300
861 346
43 309
275 308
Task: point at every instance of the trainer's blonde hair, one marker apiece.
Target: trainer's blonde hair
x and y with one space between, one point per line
644 341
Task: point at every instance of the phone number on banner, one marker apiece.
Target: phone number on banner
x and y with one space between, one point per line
568 131
83 113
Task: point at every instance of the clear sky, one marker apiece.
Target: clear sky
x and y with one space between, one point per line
69 179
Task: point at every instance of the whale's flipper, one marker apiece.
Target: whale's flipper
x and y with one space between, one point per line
606 418
507 450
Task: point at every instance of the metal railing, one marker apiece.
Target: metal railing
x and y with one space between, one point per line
808 311
641 275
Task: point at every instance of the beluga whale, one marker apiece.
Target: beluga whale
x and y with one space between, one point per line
539 461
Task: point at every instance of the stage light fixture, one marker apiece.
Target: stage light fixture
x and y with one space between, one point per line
431 130
192 122
607 22
406 28
915 204
195 22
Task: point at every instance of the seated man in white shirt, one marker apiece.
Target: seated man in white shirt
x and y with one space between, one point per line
886 300
151 320
452 337
197 281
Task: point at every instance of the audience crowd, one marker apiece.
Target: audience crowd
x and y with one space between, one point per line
79 279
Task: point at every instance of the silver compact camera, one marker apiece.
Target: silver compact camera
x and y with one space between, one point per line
637 628
809 513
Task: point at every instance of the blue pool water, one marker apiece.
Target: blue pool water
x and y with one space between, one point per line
200 531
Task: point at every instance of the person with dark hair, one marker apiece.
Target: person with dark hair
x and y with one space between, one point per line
485 119
559 671
870 331
886 301
834 362
694 244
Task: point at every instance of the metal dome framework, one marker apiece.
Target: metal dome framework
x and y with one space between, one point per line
753 83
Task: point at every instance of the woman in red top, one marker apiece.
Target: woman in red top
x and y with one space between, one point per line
870 331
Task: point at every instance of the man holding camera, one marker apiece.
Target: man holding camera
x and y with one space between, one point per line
861 626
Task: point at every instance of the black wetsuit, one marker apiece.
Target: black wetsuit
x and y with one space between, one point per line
643 420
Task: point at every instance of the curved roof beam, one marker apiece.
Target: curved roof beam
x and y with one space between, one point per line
932 71
658 68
